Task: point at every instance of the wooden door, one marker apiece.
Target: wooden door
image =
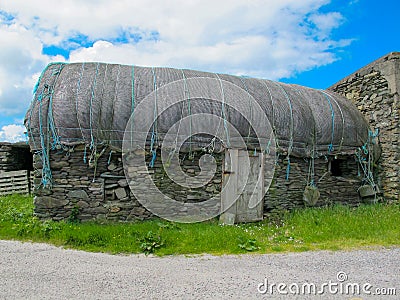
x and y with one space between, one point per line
243 187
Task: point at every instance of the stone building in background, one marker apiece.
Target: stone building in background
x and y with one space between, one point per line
15 168
375 90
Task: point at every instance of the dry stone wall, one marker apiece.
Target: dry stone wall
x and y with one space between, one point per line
101 191
287 190
375 90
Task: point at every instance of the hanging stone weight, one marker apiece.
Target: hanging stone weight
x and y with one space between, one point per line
311 195
366 191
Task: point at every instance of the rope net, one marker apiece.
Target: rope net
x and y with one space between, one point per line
91 103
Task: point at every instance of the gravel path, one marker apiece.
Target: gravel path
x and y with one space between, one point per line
41 271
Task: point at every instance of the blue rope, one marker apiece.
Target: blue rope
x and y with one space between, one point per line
109 158
133 89
187 96
47 178
267 148
35 88
46 171
153 159
291 130
373 134
84 156
291 120
153 132
288 168
250 107
132 102
56 144
78 88
330 146
93 96
364 148
116 87
223 113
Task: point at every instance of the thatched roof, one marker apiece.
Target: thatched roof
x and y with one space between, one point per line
90 103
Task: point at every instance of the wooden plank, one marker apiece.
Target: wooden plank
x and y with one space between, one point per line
14 182
14 179
248 207
229 187
12 185
12 189
13 173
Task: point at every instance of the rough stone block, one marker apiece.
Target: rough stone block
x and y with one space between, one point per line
82 204
123 182
79 194
50 202
120 193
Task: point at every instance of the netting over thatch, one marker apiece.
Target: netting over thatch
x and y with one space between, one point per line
91 103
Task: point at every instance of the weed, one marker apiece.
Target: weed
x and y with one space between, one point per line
97 239
74 240
168 225
73 217
150 243
26 228
249 245
48 227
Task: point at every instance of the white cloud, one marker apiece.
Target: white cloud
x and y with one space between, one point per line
263 38
12 133
20 59
326 22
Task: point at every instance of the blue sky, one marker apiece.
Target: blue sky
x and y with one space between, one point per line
310 42
374 27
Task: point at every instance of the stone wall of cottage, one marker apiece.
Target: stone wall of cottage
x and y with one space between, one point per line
101 190
287 189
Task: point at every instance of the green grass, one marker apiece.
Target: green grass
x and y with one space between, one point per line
330 228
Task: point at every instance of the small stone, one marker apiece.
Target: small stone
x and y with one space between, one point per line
82 204
193 197
98 210
58 164
111 167
111 186
120 193
210 189
115 209
123 182
50 202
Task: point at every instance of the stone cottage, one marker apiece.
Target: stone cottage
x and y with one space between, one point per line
311 147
